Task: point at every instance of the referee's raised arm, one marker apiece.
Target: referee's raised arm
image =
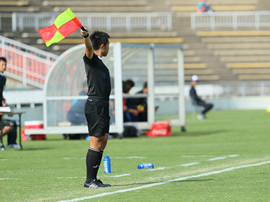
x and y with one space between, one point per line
88 44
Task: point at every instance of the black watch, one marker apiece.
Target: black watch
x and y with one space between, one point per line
86 35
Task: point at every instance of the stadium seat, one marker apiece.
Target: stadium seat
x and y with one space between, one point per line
187 78
239 46
130 40
205 78
251 71
242 52
234 33
189 53
104 9
254 77
14 3
235 39
216 8
248 65
19 9
195 66
246 59
198 71
187 66
95 3
213 2
167 66
143 34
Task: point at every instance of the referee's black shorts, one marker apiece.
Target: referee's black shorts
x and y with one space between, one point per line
97 115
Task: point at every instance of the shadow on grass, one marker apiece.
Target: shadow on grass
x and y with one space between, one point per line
197 133
146 183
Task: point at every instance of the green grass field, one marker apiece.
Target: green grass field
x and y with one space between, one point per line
54 170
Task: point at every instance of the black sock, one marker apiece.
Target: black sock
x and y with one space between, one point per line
101 151
93 159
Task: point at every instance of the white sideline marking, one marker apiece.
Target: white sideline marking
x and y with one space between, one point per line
3 159
189 164
68 177
188 156
120 175
218 158
154 169
164 182
129 157
234 155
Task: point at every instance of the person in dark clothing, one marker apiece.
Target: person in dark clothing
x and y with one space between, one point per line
193 94
142 104
75 114
131 103
129 106
9 127
129 84
3 79
96 107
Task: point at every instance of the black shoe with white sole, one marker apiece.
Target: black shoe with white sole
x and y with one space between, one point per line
95 184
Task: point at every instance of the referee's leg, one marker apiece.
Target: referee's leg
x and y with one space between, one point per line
94 157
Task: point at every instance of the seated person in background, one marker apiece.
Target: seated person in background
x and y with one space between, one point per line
193 94
130 110
10 129
129 84
203 7
142 104
75 114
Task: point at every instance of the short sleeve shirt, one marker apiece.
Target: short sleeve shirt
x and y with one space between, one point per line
98 78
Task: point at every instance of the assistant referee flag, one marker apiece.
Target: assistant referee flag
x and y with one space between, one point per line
64 25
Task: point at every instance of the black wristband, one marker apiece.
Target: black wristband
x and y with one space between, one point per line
86 35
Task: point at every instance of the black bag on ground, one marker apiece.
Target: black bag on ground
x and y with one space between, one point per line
130 131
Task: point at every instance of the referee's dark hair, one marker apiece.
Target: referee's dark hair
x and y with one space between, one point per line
3 59
98 37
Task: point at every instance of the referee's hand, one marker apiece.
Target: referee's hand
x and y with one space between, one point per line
84 33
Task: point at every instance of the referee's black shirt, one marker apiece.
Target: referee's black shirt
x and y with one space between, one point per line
98 78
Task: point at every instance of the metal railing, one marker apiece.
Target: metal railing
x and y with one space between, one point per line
244 89
231 19
0 22
25 63
107 21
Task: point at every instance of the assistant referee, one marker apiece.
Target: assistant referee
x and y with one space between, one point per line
96 107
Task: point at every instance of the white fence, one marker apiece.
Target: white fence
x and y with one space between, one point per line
107 21
232 19
25 63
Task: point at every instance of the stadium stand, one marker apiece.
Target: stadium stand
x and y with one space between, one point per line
215 55
245 52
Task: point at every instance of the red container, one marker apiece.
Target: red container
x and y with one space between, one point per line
160 129
34 125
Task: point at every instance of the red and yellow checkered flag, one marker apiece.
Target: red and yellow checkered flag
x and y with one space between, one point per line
64 25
